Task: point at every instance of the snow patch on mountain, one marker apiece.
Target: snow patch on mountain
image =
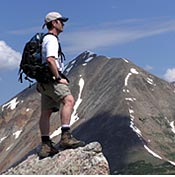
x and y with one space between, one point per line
171 162
171 123
9 147
69 68
132 71
74 116
28 109
17 133
131 111
172 126
132 125
150 81
3 138
130 99
88 57
151 152
11 104
125 60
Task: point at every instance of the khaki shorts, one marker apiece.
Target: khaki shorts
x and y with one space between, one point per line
52 94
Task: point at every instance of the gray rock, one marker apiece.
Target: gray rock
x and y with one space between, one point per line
88 160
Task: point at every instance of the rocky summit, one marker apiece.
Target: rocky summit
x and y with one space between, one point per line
127 110
87 160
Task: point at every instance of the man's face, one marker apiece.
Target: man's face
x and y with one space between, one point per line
58 24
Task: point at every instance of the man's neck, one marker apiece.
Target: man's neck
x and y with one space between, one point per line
53 31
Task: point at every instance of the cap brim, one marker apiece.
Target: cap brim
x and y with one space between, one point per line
63 19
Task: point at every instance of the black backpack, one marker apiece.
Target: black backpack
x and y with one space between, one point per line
31 63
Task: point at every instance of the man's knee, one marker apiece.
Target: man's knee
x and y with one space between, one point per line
69 100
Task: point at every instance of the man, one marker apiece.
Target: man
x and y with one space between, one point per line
55 92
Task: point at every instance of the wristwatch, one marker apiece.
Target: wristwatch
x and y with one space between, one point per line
58 78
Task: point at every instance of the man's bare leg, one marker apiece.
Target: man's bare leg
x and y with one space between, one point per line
67 109
44 122
67 140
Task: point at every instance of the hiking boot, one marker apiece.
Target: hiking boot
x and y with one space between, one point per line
47 150
69 142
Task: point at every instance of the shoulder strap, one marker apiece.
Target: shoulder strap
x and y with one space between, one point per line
51 34
61 53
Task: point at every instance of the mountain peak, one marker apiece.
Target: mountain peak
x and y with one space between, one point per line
129 111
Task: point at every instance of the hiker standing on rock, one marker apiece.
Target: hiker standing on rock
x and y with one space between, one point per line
57 91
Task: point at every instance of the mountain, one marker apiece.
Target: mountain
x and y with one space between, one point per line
129 111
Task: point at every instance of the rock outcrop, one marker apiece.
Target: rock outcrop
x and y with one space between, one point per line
88 160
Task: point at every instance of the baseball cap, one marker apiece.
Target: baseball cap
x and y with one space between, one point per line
54 16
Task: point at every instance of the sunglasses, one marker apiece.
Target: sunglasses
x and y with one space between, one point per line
61 21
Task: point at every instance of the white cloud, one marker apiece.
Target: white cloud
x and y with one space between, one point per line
115 33
170 75
9 58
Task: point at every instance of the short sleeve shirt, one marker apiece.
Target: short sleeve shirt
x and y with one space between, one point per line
50 48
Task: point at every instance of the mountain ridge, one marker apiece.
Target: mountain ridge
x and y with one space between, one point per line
118 104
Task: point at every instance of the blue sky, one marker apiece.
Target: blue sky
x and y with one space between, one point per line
142 31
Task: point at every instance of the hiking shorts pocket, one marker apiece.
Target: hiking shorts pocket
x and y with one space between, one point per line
52 94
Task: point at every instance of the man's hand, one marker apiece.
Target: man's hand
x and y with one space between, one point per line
63 81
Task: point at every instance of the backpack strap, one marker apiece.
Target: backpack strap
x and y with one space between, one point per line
61 53
20 79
